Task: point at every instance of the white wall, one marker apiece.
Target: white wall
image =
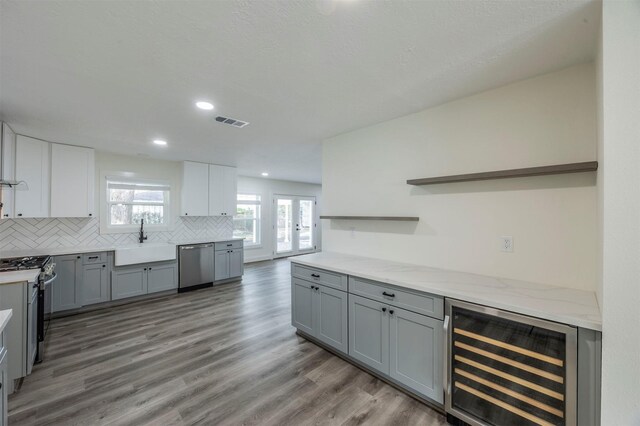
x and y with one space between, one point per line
621 212
545 120
266 188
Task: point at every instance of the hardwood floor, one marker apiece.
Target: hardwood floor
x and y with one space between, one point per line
224 355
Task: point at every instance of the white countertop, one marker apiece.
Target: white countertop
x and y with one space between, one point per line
5 316
12 277
564 305
59 251
203 240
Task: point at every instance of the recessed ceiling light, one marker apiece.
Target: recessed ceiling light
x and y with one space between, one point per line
160 142
204 105
265 174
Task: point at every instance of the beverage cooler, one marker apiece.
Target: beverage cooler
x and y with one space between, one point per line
508 369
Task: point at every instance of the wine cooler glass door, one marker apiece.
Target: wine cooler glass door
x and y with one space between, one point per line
509 369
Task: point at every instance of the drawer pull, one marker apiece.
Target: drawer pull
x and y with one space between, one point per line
315 275
384 293
93 257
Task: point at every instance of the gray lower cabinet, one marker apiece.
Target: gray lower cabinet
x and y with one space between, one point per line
416 351
4 387
369 332
137 280
228 264
67 288
95 284
162 277
128 282
221 265
302 317
331 317
320 312
402 344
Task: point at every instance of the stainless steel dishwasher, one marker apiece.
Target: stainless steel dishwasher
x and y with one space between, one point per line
196 266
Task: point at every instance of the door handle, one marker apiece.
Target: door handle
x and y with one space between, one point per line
445 376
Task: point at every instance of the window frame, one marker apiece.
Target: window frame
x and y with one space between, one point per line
257 220
128 178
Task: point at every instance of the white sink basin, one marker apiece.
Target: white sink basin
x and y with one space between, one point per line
144 253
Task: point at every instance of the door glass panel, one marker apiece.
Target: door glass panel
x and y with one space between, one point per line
284 225
305 228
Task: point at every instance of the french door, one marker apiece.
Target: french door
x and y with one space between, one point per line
295 227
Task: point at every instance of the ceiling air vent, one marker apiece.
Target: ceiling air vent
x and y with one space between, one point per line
231 121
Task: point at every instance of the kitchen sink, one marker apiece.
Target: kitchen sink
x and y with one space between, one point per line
144 253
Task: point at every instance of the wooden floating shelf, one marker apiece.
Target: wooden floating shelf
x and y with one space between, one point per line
396 218
557 169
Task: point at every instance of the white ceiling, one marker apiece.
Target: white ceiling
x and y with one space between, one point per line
116 74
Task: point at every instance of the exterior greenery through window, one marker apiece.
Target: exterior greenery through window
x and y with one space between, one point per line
246 222
129 201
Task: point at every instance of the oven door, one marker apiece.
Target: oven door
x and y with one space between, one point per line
32 328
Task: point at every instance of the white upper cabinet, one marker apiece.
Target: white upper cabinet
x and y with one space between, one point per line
32 166
72 181
8 170
223 188
195 189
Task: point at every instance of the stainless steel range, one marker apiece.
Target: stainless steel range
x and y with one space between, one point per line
40 300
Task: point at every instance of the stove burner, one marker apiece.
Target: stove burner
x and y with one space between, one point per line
20 263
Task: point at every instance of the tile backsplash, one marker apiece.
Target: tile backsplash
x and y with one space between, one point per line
17 234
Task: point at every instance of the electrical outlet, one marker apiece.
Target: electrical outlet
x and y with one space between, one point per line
506 244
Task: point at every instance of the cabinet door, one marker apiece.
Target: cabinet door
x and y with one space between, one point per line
162 277
236 263
128 282
67 289
229 190
369 332
221 266
416 352
331 310
32 166
195 189
8 156
4 387
72 181
95 284
302 309
216 191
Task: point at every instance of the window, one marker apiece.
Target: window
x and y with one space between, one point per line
246 222
130 201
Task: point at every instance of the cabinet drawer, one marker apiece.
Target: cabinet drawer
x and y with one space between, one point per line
421 303
229 245
330 279
90 258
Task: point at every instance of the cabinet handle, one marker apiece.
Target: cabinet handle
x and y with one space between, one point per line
6 215
229 245
19 214
78 257
145 269
104 266
186 214
384 293
315 275
391 312
90 214
384 309
93 257
149 268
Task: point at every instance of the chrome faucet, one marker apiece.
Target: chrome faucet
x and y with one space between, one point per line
142 237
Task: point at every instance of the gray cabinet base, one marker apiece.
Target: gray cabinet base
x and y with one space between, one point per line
388 380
